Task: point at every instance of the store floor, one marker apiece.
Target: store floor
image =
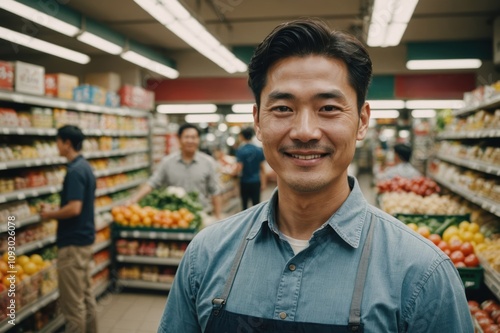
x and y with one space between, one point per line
140 311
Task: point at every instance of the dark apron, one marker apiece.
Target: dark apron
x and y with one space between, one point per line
222 321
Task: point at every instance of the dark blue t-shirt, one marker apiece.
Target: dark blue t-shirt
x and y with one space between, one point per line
79 184
251 157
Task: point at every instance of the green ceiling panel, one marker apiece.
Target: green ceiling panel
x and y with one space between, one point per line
381 87
482 49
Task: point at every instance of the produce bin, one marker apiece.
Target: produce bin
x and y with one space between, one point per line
471 276
437 224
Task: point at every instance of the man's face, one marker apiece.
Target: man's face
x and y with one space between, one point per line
308 122
189 141
62 146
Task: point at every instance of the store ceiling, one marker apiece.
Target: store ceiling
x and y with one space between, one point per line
247 22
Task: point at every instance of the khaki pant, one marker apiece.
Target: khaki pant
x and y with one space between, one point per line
76 299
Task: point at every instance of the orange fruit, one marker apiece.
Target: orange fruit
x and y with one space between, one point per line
424 231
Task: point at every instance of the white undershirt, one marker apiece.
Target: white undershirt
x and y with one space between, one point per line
296 244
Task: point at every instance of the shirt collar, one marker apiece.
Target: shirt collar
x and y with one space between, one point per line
195 157
75 160
347 221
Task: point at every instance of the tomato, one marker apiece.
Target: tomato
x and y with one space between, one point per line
444 246
481 314
435 238
485 321
471 260
457 256
495 315
490 305
455 245
459 264
491 329
466 248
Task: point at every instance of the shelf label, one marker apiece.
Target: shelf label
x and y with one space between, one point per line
21 196
34 193
5 131
3 166
152 235
53 189
136 233
40 131
21 131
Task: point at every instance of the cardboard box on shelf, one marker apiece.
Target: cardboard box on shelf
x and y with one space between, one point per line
89 94
136 97
112 99
29 78
60 85
6 75
109 81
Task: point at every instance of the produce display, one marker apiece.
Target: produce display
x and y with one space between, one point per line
422 186
486 315
150 248
490 252
168 208
411 203
147 273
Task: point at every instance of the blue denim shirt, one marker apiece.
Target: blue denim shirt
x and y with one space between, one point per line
412 286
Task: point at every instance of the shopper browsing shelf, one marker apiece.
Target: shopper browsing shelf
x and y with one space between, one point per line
190 169
250 168
75 234
316 257
402 168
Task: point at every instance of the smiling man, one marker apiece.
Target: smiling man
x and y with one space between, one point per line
316 257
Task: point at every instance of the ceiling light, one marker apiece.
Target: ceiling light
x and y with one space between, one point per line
435 104
386 104
384 114
443 64
100 43
388 21
186 108
40 17
423 113
242 108
149 64
202 118
43 46
239 118
191 31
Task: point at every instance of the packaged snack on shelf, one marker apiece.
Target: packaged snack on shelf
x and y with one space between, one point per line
89 94
8 118
136 97
60 85
109 81
29 78
6 75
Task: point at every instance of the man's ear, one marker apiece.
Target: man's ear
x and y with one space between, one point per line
364 120
256 122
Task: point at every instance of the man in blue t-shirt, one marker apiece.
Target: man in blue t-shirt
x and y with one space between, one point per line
75 234
250 168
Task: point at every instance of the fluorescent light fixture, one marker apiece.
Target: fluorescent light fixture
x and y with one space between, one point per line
388 21
175 17
230 141
386 104
423 113
384 114
186 108
43 46
435 104
149 64
239 118
444 64
39 17
242 108
100 43
202 118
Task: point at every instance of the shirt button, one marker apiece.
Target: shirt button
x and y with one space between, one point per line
292 267
283 315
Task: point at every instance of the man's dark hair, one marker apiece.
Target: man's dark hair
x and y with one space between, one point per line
73 134
403 151
185 126
247 133
306 37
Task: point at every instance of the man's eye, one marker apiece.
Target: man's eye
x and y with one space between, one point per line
282 108
329 108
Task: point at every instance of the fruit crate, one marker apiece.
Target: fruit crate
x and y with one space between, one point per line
437 224
472 277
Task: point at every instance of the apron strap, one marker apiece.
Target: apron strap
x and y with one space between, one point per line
355 311
218 302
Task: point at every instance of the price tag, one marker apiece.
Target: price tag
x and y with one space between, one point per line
152 235
53 189
2 199
136 233
3 166
21 196
34 193
5 131
40 131
21 131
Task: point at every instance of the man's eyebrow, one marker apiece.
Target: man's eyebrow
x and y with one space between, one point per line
278 95
334 94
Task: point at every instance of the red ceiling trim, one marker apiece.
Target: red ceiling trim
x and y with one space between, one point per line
433 86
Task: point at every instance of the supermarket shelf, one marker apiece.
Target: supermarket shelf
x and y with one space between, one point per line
487 204
53 325
471 164
143 284
120 187
30 309
149 260
113 171
103 224
69 104
110 153
489 104
491 277
29 192
103 209
101 245
28 131
100 267
32 162
162 235
98 132
21 223
491 133
23 249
